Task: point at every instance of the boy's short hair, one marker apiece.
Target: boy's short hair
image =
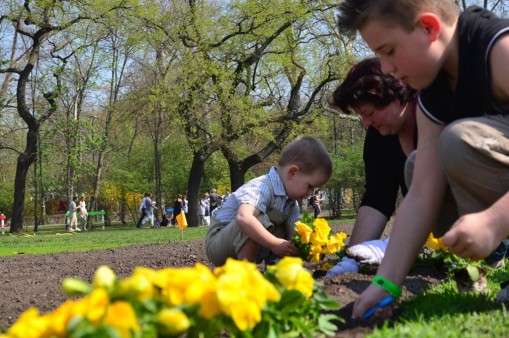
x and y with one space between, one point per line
353 14
309 154
366 83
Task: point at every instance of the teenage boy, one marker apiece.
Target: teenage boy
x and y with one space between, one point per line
459 62
257 221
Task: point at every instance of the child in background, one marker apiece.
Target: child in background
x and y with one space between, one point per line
257 221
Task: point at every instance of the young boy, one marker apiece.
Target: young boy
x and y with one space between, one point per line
459 62
258 219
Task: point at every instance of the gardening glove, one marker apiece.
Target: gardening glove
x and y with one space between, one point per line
369 252
344 266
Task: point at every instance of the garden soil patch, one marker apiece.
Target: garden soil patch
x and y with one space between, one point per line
34 280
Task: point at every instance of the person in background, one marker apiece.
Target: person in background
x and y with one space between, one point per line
72 215
257 221
225 196
215 200
164 221
185 204
142 210
204 209
315 203
83 213
149 207
177 209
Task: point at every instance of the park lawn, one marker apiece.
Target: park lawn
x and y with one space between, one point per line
54 239
443 311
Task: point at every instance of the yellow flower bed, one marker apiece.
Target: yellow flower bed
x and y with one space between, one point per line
314 239
194 301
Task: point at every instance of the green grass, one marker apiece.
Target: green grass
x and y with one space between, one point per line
445 313
53 239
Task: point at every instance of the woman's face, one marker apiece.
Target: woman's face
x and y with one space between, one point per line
388 121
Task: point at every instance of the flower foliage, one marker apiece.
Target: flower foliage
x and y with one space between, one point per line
314 239
453 262
235 298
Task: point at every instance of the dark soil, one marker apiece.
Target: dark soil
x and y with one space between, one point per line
30 280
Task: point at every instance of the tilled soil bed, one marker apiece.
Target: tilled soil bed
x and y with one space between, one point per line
34 280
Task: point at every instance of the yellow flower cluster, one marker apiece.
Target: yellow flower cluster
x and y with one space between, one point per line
315 240
96 308
168 301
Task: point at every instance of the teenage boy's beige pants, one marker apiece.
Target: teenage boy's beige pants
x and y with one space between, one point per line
474 153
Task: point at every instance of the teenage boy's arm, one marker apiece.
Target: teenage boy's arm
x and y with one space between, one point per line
415 217
477 235
249 224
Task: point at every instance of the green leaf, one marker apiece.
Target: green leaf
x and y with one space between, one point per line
473 273
325 324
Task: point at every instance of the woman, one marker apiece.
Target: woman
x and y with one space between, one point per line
387 108
315 203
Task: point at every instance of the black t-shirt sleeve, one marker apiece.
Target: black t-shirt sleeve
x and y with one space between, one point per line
384 163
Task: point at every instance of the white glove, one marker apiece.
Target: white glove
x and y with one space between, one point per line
369 252
344 266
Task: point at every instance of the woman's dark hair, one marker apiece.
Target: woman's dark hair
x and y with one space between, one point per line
366 83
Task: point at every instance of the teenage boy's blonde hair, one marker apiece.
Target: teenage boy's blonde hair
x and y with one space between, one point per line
309 154
353 14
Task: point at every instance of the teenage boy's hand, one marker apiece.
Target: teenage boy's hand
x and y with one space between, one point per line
369 298
283 248
475 235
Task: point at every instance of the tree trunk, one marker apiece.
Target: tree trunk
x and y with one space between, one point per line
157 167
25 160
193 188
236 174
238 168
97 183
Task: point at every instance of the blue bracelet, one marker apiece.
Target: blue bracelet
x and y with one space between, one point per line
384 302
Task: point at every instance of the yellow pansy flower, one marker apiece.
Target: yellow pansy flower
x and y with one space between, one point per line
96 304
138 285
60 317
29 325
293 276
122 317
334 244
173 322
321 233
436 243
74 286
236 282
304 232
315 253
104 277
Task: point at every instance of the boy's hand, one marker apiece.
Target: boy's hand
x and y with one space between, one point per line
369 298
474 235
283 248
